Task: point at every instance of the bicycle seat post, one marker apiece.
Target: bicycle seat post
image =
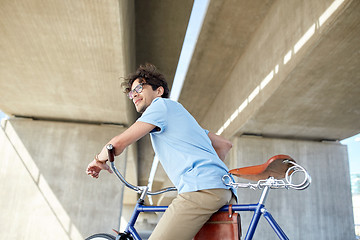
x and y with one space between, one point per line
264 195
265 192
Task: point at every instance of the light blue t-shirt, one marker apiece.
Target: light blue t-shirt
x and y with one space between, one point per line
183 147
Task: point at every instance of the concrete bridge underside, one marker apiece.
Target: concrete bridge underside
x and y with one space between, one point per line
274 76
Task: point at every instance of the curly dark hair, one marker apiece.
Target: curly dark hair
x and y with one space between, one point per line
149 74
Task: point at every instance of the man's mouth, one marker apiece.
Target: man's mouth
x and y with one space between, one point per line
137 101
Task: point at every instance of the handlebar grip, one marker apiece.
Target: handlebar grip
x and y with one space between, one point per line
111 153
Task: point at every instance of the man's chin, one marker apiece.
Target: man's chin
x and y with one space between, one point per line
140 110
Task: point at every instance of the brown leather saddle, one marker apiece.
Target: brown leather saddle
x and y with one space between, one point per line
274 167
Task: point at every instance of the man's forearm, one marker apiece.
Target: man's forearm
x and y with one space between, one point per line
129 136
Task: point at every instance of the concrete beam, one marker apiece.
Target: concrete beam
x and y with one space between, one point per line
227 30
160 32
296 76
63 59
319 98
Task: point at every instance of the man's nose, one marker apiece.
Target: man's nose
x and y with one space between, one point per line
135 94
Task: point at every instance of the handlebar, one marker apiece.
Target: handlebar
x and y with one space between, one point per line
139 189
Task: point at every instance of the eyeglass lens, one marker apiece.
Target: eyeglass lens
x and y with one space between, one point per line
137 89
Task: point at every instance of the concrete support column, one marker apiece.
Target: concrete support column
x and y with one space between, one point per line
45 192
322 211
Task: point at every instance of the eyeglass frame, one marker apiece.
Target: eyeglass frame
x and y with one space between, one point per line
131 92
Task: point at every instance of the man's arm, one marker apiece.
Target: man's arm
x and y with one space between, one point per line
221 145
120 142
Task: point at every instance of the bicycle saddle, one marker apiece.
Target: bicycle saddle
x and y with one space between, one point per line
274 167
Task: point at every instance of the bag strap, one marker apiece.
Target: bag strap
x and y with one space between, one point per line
230 211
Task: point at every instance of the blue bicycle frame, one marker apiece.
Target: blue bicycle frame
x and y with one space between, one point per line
258 210
140 207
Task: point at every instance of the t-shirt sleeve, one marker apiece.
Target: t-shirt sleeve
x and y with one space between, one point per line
156 114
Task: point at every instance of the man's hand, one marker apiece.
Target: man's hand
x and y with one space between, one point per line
221 145
95 167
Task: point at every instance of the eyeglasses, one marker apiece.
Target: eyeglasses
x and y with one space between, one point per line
137 89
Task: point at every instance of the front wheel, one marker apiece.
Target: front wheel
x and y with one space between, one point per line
100 236
124 236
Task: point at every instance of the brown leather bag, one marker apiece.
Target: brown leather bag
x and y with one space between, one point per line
221 226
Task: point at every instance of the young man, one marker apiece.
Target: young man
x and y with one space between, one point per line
191 156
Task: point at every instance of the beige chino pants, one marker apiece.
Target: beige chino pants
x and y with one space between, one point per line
188 212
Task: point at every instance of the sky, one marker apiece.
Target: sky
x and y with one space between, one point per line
353 144
2 115
192 34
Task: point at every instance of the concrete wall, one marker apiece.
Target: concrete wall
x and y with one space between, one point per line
322 211
45 192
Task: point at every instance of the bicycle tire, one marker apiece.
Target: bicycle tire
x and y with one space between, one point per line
101 236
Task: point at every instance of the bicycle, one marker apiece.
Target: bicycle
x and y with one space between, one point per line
267 176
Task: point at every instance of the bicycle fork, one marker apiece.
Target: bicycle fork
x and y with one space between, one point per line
139 208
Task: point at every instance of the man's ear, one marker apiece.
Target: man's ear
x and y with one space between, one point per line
160 91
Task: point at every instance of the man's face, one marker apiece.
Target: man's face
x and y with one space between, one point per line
143 99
